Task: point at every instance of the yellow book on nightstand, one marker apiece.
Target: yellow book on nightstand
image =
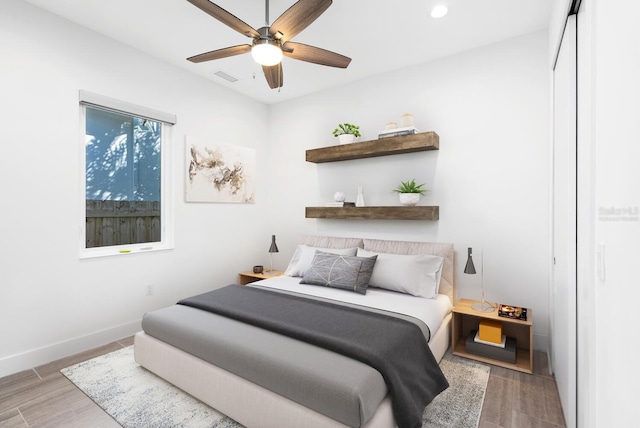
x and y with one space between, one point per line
490 331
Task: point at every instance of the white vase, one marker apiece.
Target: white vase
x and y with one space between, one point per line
409 199
346 138
360 198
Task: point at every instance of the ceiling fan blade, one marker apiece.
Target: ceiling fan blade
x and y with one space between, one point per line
225 17
315 55
297 18
273 74
221 53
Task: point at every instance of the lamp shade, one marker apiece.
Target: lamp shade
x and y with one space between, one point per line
469 267
273 248
266 53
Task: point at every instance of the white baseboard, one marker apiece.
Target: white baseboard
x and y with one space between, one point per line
550 365
46 354
541 342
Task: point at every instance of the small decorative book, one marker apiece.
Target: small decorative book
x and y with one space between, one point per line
396 132
513 312
340 204
502 343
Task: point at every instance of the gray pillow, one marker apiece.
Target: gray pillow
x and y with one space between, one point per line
340 271
303 257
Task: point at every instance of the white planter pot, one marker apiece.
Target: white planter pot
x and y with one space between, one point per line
409 199
346 138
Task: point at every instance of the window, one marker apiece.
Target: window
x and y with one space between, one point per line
126 198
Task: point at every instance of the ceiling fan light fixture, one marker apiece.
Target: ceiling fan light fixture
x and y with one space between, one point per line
265 52
439 11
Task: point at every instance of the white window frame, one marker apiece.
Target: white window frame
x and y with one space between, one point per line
166 175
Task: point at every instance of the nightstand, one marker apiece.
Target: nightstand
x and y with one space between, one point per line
245 278
465 318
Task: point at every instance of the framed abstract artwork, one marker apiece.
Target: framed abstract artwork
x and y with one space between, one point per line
219 172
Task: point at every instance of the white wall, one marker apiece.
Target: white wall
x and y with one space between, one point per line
490 107
613 134
51 303
557 20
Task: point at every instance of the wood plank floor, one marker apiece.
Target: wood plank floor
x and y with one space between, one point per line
43 397
519 400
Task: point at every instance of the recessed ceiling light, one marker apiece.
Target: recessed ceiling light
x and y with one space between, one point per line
439 11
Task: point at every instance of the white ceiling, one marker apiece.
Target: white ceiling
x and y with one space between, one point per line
379 35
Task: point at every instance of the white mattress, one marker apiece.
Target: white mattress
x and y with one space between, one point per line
429 311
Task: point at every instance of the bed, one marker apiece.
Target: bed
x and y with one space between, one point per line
261 378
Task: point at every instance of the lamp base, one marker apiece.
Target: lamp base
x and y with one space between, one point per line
483 307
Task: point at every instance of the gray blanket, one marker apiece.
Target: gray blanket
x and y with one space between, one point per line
394 347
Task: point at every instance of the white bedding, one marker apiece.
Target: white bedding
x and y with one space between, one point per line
429 311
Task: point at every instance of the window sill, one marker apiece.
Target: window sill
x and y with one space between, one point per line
123 250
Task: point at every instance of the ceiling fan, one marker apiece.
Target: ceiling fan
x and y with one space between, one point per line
271 42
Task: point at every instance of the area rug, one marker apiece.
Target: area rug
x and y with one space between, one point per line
136 398
459 406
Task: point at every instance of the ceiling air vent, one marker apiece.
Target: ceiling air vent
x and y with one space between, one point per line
225 76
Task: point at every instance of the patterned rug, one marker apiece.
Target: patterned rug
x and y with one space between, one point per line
136 398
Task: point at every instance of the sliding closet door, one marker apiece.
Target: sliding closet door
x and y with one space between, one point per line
563 298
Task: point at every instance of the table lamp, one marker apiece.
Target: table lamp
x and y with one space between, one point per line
470 269
272 249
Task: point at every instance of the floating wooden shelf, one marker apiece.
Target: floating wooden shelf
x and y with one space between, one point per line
375 213
381 147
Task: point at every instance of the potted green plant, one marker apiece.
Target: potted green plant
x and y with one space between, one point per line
409 192
346 132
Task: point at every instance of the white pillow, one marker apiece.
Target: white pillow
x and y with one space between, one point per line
303 256
415 274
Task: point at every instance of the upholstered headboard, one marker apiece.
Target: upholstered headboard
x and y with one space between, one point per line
331 241
444 250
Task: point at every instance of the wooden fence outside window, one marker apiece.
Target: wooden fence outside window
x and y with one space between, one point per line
122 222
